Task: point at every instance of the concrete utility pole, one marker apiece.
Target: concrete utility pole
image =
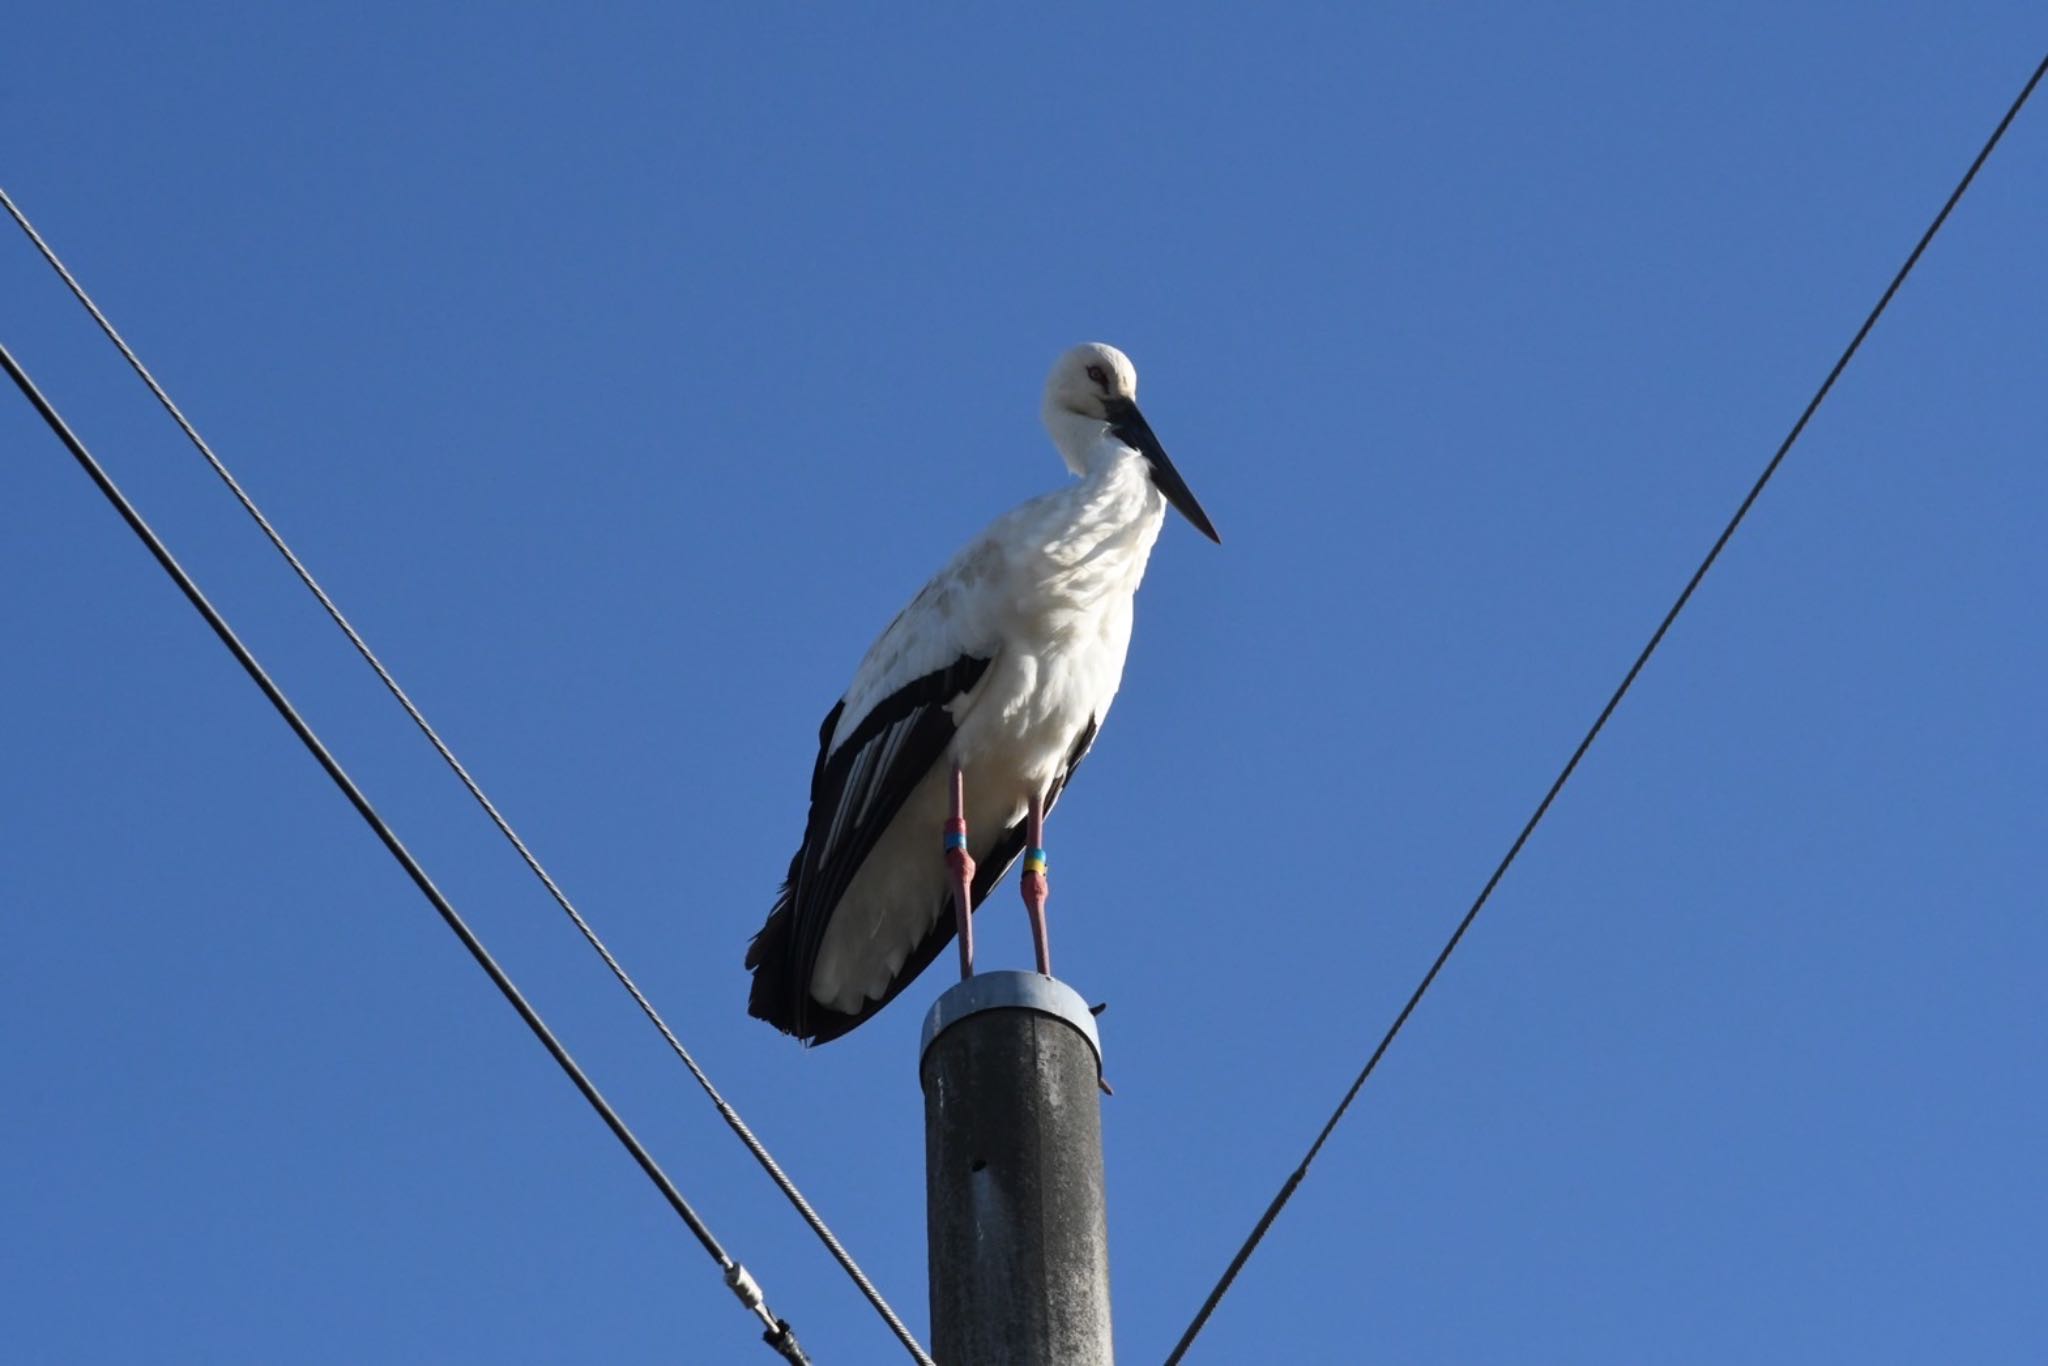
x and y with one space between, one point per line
1019 1243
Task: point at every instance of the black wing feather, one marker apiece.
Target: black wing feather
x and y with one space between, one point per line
856 790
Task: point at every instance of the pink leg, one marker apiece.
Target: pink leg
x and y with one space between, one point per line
1034 884
962 865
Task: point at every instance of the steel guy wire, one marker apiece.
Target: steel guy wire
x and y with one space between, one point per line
1294 1179
778 1334
731 1116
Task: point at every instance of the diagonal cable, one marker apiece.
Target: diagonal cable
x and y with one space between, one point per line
1294 1179
726 1111
778 1334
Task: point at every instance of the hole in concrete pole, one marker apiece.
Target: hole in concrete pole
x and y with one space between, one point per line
976 1165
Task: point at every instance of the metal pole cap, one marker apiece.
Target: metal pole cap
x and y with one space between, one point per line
1010 991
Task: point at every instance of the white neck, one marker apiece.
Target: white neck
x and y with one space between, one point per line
1084 442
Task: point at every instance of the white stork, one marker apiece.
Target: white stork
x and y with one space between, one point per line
966 719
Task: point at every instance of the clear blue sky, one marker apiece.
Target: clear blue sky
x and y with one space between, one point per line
622 372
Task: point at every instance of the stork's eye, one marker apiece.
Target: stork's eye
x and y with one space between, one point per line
1095 373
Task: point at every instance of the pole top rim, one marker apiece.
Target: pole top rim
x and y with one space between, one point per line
1010 990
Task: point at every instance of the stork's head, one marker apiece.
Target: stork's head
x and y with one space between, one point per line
1089 378
1091 400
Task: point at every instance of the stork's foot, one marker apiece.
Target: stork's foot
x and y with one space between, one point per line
1036 889
1035 885
960 864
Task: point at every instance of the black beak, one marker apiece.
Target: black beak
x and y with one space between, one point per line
1128 425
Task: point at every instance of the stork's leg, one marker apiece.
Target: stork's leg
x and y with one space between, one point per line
1034 884
961 863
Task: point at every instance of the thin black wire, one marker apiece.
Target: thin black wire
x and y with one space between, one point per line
725 1109
778 1334
1294 1180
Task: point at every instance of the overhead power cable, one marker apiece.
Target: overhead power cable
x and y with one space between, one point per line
1294 1179
778 1334
731 1116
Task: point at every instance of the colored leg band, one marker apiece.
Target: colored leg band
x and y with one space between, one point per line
1034 860
956 839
